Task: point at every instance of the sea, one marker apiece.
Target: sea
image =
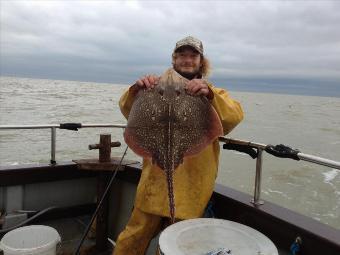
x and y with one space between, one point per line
308 123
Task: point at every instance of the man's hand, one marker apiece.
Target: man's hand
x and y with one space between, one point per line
148 81
197 87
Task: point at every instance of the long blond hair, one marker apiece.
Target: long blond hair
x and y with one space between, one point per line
205 67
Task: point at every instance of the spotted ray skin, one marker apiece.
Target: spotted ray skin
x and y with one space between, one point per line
167 124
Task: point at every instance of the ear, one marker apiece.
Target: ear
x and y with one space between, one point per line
173 60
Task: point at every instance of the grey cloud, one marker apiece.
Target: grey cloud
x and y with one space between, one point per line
117 41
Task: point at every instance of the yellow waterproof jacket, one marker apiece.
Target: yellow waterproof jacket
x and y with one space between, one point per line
194 179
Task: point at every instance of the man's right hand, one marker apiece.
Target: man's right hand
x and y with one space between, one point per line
148 81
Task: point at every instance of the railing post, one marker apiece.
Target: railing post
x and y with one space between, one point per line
258 176
53 145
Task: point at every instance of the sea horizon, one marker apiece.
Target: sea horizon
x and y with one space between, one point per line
324 90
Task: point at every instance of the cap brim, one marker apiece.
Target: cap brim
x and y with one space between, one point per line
188 46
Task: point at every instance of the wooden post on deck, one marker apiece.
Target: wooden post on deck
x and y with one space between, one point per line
102 181
102 217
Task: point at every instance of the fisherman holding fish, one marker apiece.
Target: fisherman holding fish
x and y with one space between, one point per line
194 178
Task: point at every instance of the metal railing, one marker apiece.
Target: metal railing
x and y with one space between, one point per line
53 128
262 147
258 146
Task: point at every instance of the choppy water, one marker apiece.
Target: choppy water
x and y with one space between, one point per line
311 124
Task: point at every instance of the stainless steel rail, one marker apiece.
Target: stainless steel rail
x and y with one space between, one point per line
302 156
259 146
258 174
53 128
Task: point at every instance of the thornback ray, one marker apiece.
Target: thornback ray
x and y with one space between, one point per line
166 124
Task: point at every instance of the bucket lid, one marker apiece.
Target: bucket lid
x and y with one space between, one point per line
206 235
33 238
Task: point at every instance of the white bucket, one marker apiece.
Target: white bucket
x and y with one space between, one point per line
30 240
209 236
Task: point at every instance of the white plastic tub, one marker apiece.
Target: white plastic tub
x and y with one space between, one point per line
30 240
208 236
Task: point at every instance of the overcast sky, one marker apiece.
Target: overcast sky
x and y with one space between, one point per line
118 41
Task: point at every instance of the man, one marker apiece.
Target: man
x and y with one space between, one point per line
194 179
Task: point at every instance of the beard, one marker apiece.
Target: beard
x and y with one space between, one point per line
188 75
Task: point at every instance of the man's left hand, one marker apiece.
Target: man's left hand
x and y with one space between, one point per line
197 87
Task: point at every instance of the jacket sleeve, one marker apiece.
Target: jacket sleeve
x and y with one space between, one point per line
228 109
126 100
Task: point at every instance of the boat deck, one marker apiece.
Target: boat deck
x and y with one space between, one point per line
71 231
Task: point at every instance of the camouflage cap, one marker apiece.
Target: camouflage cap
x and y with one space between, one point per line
192 42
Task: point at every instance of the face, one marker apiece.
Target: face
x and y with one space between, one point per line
187 61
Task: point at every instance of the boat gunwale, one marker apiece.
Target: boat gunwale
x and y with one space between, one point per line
271 214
